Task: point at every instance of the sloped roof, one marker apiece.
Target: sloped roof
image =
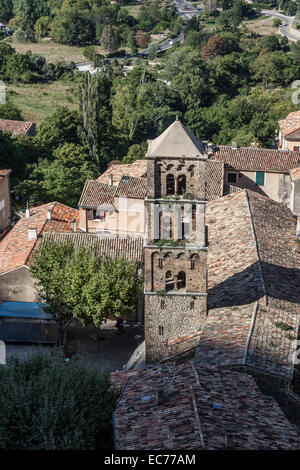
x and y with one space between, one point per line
132 187
95 193
188 407
16 249
15 127
110 245
175 142
257 159
290 124
214 177
253 282
116 171
4 173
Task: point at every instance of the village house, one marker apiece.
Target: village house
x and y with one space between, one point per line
265 171
18 127
289 132
5 203
16 248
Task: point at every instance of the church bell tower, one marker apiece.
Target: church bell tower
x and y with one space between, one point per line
175 243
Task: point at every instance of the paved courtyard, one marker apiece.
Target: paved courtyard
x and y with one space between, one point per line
96 346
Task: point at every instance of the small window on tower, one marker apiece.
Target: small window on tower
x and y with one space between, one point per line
170 185
161 330
181 184
192 305
160 263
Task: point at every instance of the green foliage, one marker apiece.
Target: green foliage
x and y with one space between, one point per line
6 10
74 27
78 283
283 326
109 39
48 404
10 111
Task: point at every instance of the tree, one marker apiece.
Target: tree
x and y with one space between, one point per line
55 405
109 39
213 48
141 39
10 111
74 27
6 10
63 178
78 283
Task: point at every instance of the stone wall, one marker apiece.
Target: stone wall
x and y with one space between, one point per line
168 318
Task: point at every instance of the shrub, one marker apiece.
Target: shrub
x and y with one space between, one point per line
49 404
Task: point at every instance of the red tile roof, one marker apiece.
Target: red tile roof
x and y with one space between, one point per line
257 159
135 169
253 282
110 245
132 187
95 193
16 248
290 124
214 176
188 406
15 127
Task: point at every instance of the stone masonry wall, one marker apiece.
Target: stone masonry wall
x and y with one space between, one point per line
169 317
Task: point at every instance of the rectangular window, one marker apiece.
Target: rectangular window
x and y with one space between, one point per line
161 330
232 177
260 178
98 215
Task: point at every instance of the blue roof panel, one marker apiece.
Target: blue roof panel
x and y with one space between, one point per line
32 310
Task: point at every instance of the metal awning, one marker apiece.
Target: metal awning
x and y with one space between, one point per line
30 310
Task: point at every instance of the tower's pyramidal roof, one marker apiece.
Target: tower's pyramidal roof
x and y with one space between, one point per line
176 141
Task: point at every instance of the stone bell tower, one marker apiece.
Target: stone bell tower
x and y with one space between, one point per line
175 243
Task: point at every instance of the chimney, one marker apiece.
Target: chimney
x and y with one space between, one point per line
74 225
111 179
49 214
234 145
27 214
32 233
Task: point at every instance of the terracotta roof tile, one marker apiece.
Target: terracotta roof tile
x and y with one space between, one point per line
95 193
290 124
16 248
214 175
132 187
257 159
110 245
188 406
15 127
135 169
4 173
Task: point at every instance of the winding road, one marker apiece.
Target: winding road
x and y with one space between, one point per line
284 29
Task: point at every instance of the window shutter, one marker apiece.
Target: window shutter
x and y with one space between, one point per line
260 178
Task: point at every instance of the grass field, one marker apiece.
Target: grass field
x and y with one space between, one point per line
262 25
38 101
54 52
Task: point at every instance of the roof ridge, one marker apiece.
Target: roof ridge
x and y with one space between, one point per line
257 246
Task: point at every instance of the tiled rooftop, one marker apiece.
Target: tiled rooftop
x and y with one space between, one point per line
214 176
16 248
111 245
189 407
95 193
136 169
4 173
15 127
290 124
257 159
253 281
132 187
